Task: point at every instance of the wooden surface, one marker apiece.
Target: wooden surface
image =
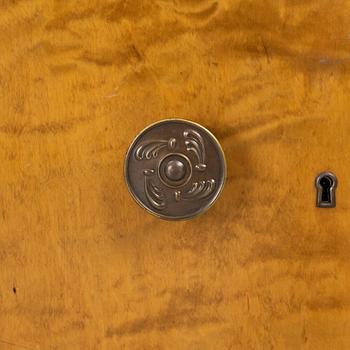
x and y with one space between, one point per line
82 266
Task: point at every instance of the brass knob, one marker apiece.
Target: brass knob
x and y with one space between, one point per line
175 169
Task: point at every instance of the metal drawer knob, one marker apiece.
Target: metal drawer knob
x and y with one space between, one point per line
175 169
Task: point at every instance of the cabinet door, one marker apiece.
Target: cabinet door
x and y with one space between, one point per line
82 266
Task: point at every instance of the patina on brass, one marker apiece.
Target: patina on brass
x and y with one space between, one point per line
175 169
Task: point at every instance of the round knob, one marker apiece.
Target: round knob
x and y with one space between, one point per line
175 169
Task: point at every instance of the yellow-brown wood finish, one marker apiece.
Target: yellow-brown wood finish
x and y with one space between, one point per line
82 266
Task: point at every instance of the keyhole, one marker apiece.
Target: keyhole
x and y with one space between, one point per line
326 184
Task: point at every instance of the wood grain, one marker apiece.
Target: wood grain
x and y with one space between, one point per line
82 266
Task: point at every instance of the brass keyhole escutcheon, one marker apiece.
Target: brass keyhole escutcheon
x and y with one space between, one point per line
326 184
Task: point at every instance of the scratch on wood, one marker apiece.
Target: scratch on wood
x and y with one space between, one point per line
44 128
14 344
266 51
